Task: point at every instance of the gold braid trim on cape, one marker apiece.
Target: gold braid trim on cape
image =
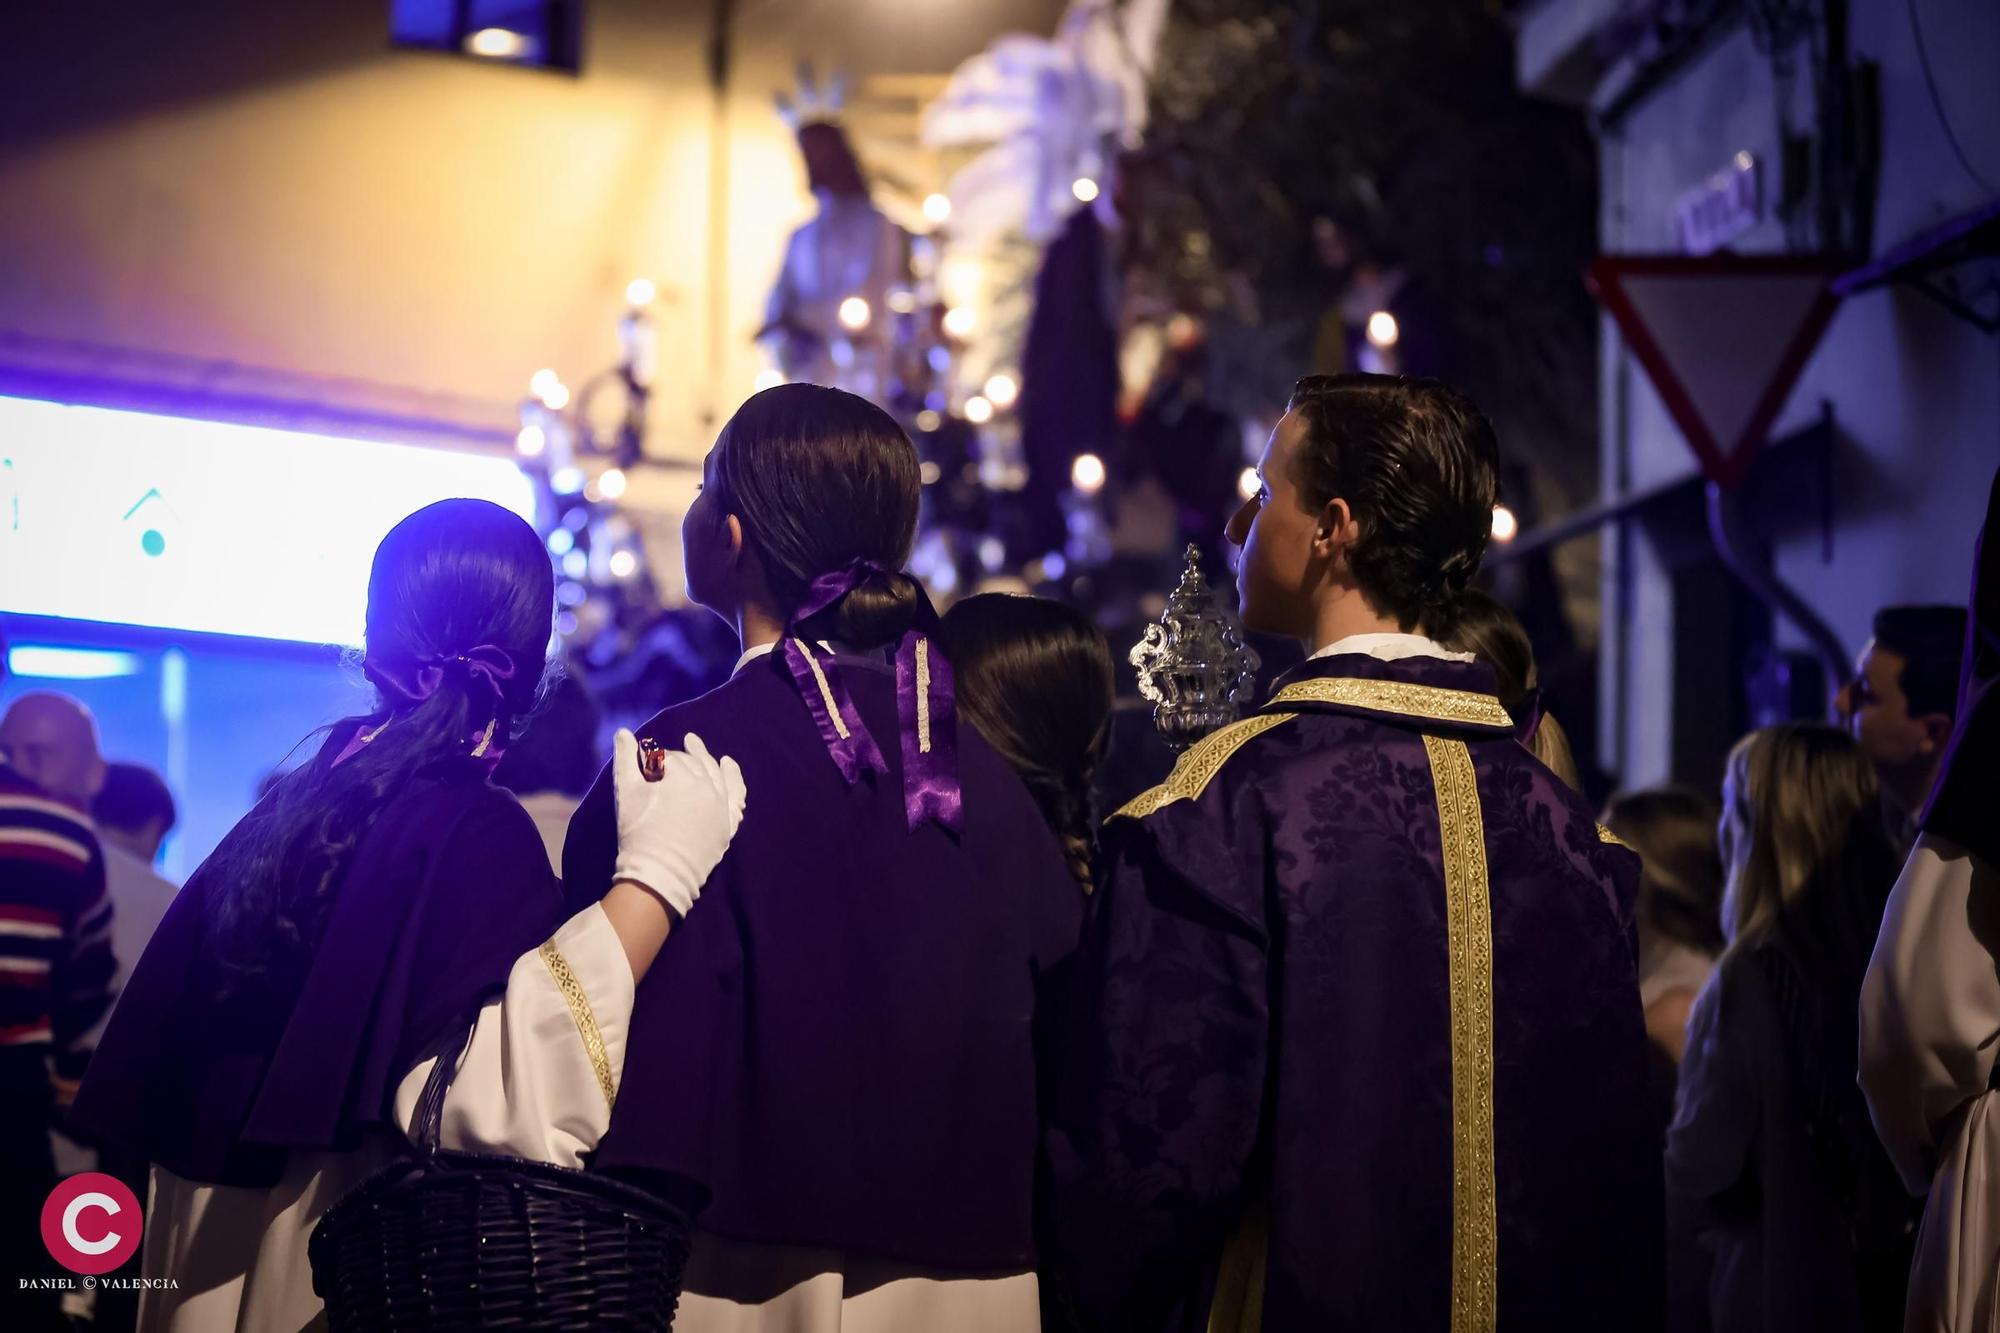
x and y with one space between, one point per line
1475 1226
1194 770
1432 703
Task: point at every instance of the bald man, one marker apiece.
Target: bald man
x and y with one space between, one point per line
51 740
55 948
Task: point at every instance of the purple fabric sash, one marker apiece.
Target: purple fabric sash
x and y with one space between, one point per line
407 683
926 707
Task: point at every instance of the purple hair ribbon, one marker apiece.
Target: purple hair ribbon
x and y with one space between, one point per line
408 683
926 709
832 707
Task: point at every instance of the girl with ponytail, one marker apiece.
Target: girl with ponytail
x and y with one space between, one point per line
839 1046
1035 677
383 907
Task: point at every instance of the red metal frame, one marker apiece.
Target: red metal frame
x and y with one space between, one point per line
1724 462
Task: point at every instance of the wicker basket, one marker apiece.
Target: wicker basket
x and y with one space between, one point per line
448 1240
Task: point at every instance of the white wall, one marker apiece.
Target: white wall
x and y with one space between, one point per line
271 185
1914 391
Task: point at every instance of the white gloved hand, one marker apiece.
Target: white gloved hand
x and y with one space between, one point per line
671 833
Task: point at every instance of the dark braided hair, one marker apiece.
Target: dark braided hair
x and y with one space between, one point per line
454 577
1034 676
1418 466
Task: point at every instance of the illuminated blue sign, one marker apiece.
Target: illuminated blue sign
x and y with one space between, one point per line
136 519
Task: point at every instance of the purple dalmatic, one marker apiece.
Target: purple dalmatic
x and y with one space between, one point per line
1359 1043
838 1041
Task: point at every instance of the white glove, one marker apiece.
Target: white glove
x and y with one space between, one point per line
672 832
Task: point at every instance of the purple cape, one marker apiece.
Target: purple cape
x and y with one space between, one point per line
447 889
1269 989
838 1041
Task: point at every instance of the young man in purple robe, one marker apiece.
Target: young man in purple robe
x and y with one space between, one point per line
1359 1043
840 1045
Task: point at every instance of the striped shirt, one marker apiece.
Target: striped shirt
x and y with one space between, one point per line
56 965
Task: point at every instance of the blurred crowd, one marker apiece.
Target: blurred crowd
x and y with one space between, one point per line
1759 909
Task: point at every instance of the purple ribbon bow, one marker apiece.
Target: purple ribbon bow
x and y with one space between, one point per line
926 709
411 682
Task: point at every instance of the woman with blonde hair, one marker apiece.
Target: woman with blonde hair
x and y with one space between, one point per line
1774 1175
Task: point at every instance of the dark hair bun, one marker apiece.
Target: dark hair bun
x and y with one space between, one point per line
879 609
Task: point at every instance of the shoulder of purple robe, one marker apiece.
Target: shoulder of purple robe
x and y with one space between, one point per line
1229 789
1413 693
590 846
1206 820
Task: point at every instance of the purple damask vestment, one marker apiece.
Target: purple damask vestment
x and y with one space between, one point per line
1358 1042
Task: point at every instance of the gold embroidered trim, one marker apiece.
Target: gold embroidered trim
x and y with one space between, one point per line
923 696
586 1021
1606 835
1469 948
1238 1304
1433 703
825 690
1194 770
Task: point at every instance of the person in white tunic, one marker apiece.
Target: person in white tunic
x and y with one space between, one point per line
275 1036
1930 1029
1930 1006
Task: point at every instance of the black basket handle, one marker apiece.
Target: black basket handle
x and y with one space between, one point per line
427 1124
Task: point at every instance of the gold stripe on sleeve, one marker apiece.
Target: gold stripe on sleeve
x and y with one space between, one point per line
586 1021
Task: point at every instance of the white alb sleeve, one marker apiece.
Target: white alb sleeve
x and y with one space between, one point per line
1930 1004
538 1077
